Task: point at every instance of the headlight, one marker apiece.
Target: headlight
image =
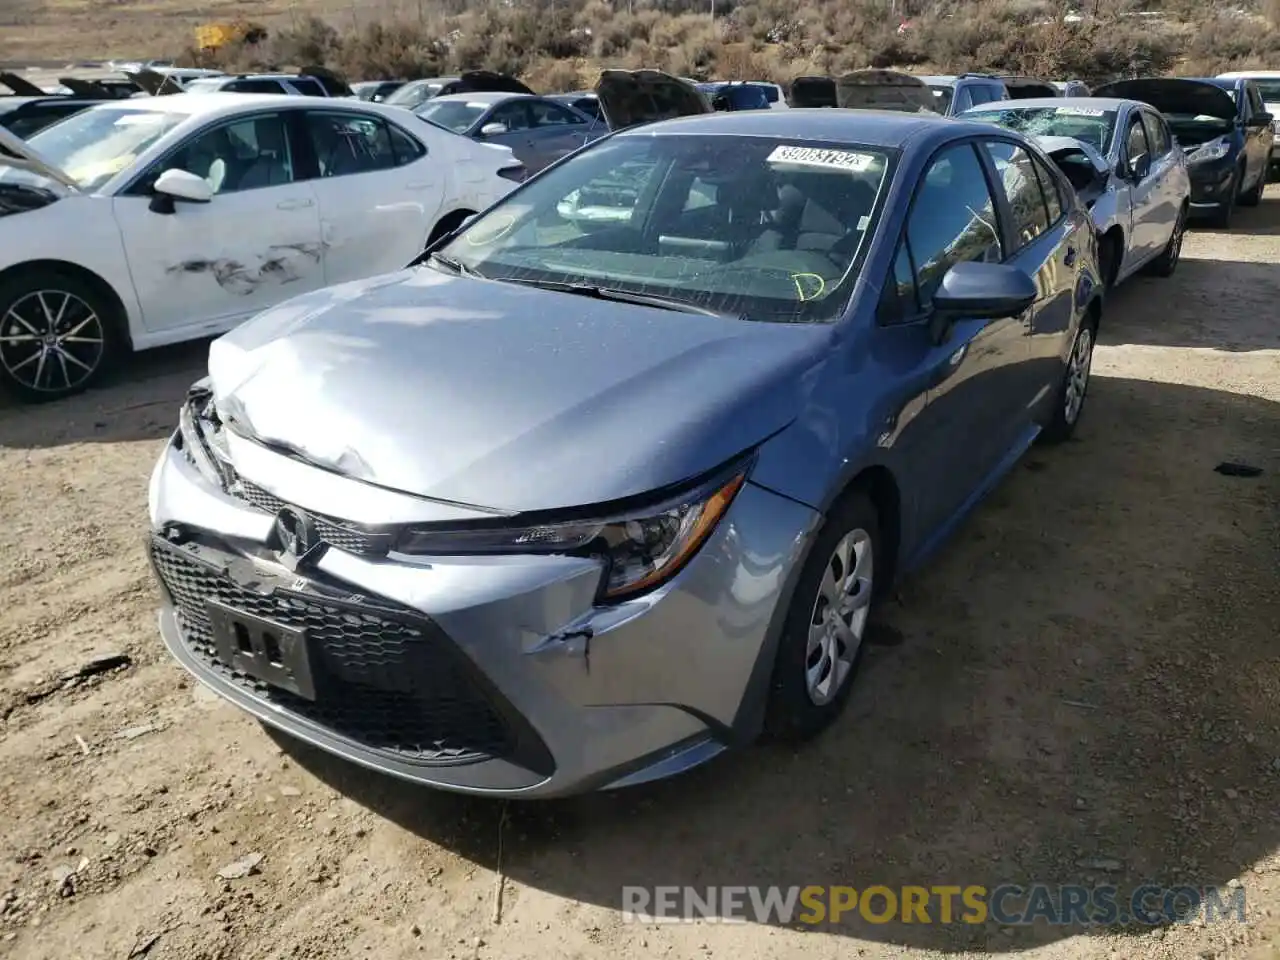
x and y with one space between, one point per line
641 548
196 446
1206 152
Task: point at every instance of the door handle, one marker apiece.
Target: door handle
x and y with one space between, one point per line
1069 258
295 204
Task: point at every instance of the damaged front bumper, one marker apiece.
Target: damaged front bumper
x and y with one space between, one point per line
494 675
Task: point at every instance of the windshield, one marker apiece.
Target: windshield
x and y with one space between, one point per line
412 94
942 97
1090 125
750 226
94 145
452 114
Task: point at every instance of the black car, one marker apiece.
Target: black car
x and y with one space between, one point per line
24 116
1223 127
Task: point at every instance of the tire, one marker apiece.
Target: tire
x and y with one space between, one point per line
1110 253
803 699
450 221
1222 218
1167 262
1069 400
1254 196
58 336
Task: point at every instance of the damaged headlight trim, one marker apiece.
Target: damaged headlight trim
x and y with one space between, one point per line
642 547
195 446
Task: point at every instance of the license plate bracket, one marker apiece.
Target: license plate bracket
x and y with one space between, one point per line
272 652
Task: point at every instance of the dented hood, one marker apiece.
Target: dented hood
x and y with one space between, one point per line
16 152
631 97
501 396
1173 95
1064 146
884 90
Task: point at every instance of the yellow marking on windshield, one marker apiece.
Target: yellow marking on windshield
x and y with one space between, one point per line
800 291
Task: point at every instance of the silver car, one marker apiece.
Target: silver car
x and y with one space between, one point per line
578 503
538 130
1121 157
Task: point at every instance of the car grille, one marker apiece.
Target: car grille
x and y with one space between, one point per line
337 533
385 679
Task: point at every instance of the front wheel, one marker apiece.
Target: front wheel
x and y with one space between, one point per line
1074 387
58 335
1254 196
1226 213
821 645
1167 262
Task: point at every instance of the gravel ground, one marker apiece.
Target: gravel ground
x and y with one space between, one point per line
1088 691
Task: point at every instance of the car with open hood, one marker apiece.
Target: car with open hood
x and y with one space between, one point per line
416 92
728 95
1268 85
632 97
138 223
569 506
1028 88
1120 157
26 116
1223 128
870 89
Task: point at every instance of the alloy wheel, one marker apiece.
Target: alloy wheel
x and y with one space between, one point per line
51 341
839 617
1078 368
1175 242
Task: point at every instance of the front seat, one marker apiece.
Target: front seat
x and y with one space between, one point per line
271 166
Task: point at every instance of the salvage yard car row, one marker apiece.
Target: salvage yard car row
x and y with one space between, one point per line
695 395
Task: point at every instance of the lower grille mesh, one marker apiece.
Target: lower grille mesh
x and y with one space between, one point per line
386 683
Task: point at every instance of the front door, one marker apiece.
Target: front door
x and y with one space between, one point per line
969 382
257 242
379 192
556 132
1144 195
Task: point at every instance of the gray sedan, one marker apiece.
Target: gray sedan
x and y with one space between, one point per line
1121 157
538 130
577 503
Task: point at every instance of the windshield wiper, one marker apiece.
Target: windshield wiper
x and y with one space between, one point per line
457 266
620 296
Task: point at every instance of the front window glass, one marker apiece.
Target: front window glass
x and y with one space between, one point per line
94 145
751 226
942 97
1091 125
452 114
1270 90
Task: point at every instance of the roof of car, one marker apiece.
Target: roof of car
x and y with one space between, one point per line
480 96
1250 75
870 127
1066 103
229 104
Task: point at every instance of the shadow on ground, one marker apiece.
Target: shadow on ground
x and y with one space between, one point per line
140 402
1087 694
1262 220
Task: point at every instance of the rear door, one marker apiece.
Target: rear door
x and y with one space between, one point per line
378 188
966 384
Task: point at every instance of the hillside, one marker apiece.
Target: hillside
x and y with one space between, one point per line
560 43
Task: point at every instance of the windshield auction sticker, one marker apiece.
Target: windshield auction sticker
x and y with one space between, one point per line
816 157
1080 112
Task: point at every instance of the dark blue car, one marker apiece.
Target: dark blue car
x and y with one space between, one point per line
1223 127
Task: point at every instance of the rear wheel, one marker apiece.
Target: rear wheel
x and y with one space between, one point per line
58 335
448 223
1075 385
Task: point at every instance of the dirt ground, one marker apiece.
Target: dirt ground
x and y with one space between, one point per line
1089 674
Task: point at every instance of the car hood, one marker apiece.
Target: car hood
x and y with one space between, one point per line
504 397
631 97
814 92
16 152
884 90
1028 88
1172 95
1058 146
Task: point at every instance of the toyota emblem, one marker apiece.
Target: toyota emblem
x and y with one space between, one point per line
296 534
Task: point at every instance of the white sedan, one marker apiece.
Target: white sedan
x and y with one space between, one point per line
151 221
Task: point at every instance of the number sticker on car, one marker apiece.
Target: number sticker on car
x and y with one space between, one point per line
817 157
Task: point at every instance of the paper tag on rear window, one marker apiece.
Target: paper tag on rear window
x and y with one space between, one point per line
1079 112
817 157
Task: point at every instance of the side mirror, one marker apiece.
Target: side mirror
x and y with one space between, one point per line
987 291
179 185
1261 120
721 103
493 129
